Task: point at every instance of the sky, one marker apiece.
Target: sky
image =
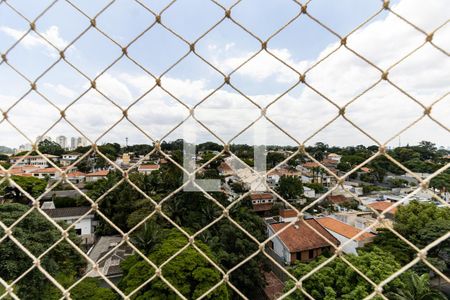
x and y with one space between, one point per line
298 110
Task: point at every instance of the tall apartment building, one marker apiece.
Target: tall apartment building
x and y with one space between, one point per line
62 141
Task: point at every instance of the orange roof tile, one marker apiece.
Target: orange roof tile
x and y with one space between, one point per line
98 173
300 237
343 229
310 164
76 174
258 196
288 213
46 170
383 205
148 167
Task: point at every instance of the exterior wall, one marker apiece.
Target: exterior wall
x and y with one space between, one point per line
350 248
279 248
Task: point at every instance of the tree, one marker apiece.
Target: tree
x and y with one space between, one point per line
87 289
32 185
49 147
290 187
337 280
189 272
415 288
37 235
421 223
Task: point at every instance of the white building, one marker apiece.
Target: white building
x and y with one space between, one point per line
344 233
73 143
82 142
68 159
147 169
62 141
32 160
85 227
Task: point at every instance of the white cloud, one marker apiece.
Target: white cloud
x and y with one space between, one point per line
32 40
382 111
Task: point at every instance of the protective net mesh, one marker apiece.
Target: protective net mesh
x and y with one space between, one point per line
159 82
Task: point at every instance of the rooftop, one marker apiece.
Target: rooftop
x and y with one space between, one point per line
300 237
66 212
343 229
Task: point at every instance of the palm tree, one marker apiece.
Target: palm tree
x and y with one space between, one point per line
147 237
416 288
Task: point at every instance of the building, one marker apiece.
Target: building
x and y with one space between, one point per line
344 233
92 177
52 173
32 160
76 177
62 141
70 158
381 206
299 242
85 227
82 142
340 202
108 253
361 220
73 143
335 157
25 171
262 202
147 169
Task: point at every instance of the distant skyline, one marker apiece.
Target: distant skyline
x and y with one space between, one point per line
382 112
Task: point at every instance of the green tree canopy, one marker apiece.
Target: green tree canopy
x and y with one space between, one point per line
37 235
49 147
337 280
189 272
290 187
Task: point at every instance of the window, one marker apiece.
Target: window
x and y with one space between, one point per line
78 231
311 254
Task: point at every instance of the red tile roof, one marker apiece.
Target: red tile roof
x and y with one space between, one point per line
300 237
98 173
343 229
383 205
338 199
310 164
259 196
262 206
76 174
46 170
288 213
148 167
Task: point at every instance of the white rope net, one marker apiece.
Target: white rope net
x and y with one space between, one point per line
159 82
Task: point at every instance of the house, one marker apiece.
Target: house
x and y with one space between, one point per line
287 215
33 160
262 202
70 158
381 206
309 192
344 232
299 241
25 171
335 157
361 220
339 201
85 227
52 173
76 177
92 177
108 253
147 169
